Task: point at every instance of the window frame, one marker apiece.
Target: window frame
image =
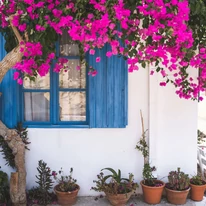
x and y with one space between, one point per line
54 91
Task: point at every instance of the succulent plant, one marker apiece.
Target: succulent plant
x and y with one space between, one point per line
197 180
178 180
116 184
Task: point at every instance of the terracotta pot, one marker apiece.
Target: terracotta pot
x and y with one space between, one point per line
197 192
119 199
66 198
177 197
152 195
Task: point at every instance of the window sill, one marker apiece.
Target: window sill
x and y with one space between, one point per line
56 126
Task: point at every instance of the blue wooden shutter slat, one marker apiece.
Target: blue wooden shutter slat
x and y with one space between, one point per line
125 92
108 91
97 91
9 94
91 98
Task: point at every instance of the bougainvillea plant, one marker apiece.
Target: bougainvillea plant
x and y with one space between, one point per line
166 36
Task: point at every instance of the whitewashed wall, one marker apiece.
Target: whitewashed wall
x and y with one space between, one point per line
202 114
172 128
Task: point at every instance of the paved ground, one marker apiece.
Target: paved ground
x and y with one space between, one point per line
135 201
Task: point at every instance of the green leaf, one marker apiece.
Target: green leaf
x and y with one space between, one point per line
158 69
107 177
111 170
143 64
119 173
125 179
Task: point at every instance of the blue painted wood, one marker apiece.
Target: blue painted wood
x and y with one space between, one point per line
107 100
108 94
75 126
9 113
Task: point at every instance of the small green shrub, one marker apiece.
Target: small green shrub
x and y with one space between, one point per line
41 194
4 188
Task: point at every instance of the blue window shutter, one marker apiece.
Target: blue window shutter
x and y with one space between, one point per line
108 91
8 99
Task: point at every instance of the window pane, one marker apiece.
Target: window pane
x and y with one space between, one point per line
72 106
67 46
39 83
36 106
73 78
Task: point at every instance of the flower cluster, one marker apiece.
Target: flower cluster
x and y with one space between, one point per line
65 182
153 32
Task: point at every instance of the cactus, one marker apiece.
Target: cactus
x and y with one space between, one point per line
178 180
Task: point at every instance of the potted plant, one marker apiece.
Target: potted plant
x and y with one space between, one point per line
118 190
66 189
178 187
151 187
198 186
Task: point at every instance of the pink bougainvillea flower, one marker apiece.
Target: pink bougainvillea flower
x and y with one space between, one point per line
93 73
40 4
92 51
51 55
20 81
39 27
202 50
90 16
16 75
109 54
163 84
29 1
200 98
22 27
62 61
98 59
15 20
163 73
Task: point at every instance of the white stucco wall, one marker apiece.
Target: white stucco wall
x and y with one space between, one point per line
172 125
202 114
173 130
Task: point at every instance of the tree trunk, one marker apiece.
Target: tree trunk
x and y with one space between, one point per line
9 61
18 179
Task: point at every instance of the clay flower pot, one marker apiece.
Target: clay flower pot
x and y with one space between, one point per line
66 198
197 191
152 195
119 199
177 197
